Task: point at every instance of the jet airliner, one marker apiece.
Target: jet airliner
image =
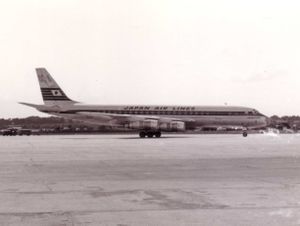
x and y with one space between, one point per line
149 120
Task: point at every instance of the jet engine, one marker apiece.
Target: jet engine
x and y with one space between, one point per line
173 126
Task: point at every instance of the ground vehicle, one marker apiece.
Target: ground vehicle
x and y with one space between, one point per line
9 132
22 132
15 132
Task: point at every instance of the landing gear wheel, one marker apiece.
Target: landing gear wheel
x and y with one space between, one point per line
142 134
158 134
150 135
245 134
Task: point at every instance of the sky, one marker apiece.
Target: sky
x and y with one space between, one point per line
168 52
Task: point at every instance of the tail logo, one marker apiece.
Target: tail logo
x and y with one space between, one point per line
51 94
56 93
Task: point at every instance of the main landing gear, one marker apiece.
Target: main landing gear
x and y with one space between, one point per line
245 134
150 134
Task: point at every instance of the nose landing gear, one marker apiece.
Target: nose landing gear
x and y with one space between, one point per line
245 134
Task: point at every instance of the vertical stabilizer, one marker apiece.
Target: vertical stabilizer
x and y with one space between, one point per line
51 92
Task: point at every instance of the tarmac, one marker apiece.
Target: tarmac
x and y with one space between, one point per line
122 180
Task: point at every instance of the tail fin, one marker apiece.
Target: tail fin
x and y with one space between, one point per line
51 92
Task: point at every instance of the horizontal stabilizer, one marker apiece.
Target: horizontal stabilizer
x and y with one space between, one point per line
30 105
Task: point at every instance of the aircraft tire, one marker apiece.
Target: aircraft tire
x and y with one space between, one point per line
157 134
245 134
142 134
150 134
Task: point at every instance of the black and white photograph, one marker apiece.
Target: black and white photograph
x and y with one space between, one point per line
149 113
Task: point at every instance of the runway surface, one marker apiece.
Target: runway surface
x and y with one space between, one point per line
118 180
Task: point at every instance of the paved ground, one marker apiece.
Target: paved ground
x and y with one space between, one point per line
176 180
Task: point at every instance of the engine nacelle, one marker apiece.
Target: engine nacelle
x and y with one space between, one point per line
173 126
148 124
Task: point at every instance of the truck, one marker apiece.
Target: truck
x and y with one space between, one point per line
16 131
26 132
9 132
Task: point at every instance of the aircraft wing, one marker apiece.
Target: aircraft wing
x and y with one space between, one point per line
118 119
99 118
121 119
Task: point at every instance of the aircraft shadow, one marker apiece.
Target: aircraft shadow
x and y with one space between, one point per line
123 138
153 138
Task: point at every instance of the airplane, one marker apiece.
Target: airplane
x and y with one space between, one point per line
149 120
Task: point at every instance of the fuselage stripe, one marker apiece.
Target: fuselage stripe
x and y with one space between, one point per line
169 113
